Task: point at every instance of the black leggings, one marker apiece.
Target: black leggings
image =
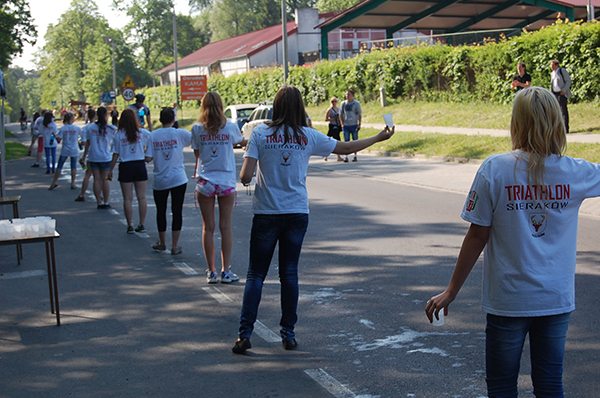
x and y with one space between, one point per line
160 199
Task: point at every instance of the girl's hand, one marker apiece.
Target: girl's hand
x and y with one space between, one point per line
436 304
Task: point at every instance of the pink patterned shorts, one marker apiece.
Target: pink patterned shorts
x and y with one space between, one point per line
210 190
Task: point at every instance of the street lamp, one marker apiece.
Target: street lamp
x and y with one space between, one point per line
111 41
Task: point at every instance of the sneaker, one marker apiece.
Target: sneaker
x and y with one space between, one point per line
241 346
176 250
159 246
345 160
140 228
289 344
211 277
35 165
228 277
80 198
130 229
47 171
107 206
355 159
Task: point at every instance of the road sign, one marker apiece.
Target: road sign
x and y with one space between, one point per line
105 97
113 93
128 83
193 87
128 94
53 103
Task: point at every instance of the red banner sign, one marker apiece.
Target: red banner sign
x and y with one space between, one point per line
193 87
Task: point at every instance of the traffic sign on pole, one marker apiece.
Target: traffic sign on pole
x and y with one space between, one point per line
128 83
128 94
193 87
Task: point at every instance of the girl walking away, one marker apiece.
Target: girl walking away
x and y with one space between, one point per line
48 131
212 140
98 138
523 208
282 148
333 117
91 116
68 134
132 144
167 145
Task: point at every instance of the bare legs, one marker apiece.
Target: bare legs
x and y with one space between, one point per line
101 186
207 208
140 191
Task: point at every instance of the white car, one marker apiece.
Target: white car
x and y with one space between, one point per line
240 113
262 114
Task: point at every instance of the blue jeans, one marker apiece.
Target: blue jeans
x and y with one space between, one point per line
50 153
505 337
267 230
350 130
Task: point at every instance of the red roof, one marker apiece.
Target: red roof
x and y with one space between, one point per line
234 47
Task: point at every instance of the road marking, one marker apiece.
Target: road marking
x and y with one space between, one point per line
186 269
23 274
217 295
329 383
267 334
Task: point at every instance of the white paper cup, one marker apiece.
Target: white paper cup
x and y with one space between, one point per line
35 229
439 322
50 227
18 230
389 120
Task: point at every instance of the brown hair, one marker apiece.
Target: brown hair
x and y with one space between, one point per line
211 113
289 113
129 123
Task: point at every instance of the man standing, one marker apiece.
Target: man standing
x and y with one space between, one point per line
560 85
350 119
142 111
522 79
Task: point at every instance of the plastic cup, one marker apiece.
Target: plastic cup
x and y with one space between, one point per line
50 227
388 118
4 232
35 230
439 322
18 230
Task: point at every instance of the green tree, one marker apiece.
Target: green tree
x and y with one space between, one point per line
334 5
16 29
229 18
63 58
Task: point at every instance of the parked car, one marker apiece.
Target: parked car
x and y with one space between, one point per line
262 114
239 113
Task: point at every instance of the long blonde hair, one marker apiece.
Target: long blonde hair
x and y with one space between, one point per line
538 129
211 113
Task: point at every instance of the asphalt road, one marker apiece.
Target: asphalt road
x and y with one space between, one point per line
383 237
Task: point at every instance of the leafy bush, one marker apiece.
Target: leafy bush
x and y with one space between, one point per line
477 73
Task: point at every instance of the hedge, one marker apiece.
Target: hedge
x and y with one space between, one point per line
481 72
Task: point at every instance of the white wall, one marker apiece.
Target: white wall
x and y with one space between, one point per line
308 38
235 66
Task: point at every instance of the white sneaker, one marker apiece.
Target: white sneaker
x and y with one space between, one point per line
211 276
228 277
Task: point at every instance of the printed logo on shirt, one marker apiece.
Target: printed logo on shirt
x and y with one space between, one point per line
166 154
537 223
286 158
132 148
537 197
473 198
214 151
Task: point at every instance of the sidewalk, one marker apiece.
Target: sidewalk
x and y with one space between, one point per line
580 138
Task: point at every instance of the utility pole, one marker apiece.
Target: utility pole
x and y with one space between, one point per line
175 56
284 41
112 42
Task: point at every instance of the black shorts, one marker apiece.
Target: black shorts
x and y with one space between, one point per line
133 171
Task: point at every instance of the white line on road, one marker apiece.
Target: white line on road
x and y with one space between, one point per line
23 274
217 295
329 383
186 269
267 334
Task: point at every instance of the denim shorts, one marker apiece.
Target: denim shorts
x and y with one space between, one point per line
62 159
102 166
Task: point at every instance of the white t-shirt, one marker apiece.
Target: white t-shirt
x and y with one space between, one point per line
281 174
100 142
529 260
167 151
37 125
216 160
69 134
129 152
47 132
